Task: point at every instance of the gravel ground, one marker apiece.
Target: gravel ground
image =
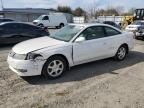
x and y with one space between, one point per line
101 84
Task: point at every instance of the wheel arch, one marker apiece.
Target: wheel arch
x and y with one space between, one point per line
61 24
126 45
61 55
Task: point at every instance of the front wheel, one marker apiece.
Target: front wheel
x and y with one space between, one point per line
54 67
61 25
121 53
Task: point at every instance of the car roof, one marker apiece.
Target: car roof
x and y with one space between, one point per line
5 18
89 24
86 25
92 24
3 23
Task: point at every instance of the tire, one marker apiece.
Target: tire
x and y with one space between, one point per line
54 67
57 27
121 53
143 38
61 25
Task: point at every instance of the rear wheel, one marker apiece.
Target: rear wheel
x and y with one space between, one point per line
54 67
121 53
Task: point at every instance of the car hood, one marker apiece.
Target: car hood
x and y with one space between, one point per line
36 44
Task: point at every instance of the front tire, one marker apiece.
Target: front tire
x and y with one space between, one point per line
121 53
54 67
61 25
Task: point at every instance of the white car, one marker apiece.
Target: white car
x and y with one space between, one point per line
137 27
72 45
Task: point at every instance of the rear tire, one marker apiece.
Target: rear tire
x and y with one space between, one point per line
121 53
54 67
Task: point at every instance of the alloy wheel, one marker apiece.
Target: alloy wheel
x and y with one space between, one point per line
55 68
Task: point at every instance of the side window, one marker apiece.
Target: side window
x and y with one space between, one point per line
93 33
112 23
11 26
142 12
138 12
6 26
46 18
111 32
29 30
24 26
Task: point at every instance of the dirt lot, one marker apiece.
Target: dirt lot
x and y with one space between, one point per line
101 84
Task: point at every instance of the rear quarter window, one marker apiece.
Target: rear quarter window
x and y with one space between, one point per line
111 32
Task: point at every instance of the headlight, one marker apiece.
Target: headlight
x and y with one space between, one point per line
20 56
17 56
33 56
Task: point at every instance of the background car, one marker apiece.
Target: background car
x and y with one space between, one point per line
5 20
112 24
106 22
12 32
137 27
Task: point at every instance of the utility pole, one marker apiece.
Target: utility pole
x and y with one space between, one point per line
2 5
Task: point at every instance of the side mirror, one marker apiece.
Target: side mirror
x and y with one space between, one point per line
80 39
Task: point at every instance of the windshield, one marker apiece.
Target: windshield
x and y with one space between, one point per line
66 33
40 17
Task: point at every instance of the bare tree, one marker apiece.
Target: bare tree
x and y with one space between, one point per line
79 12
120 9
129 12
92 8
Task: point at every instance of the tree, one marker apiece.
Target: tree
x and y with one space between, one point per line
79 12
120 9
64 9
92 9
107 12
129 12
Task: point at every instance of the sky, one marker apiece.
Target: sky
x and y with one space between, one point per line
86 4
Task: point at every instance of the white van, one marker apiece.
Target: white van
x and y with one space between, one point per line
57 20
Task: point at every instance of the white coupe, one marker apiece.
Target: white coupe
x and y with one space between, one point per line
72 45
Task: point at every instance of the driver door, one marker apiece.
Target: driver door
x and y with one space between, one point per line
93 47
46 21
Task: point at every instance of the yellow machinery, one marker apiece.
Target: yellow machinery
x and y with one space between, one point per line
138 15
127 20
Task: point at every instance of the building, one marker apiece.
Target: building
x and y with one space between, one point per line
28 14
